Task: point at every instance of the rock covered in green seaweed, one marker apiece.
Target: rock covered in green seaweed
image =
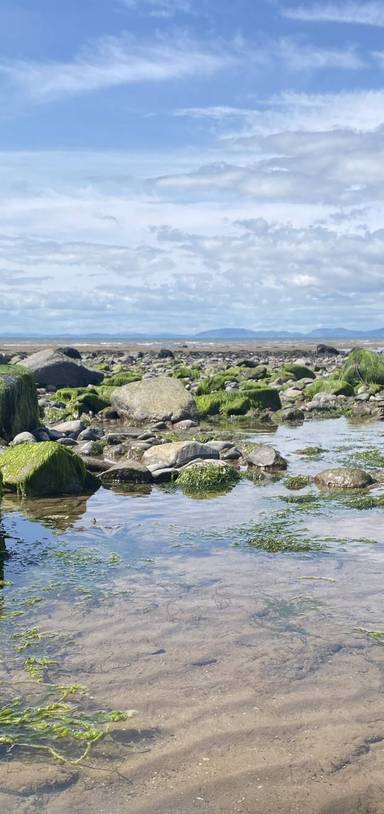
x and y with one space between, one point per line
208 477
18 401
364 366
40 470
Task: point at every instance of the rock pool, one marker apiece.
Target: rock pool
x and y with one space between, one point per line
256 676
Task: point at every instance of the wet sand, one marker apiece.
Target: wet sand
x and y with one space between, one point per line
254 691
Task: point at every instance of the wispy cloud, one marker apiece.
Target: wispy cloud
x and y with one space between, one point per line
299 56
356 13
115 61
159 8
291 111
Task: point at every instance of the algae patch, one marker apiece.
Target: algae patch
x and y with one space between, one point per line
48 468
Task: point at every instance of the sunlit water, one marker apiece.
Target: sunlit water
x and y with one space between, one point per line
256 683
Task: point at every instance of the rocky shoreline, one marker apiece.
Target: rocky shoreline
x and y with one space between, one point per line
72 419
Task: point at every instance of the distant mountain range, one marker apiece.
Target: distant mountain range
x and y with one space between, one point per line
215 333
317 333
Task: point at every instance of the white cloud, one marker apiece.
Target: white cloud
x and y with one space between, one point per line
298 56
115 61
358 13
295 112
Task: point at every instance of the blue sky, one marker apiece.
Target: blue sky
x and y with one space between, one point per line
186 164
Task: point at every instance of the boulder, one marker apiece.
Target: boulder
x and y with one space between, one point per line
266 458
19 411
73 353
157 399
46 469
52 368
126 472
327 350
177 454
165 353
343 478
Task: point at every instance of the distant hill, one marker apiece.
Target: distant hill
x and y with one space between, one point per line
215 333
317 333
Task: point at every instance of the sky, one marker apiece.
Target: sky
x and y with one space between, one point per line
180 165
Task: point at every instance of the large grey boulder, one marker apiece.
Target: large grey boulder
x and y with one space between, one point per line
52 368
266 458
177 454
19 411
157 399
343 478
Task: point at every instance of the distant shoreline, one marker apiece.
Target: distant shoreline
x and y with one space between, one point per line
249 345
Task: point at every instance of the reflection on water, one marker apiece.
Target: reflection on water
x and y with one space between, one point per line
257 686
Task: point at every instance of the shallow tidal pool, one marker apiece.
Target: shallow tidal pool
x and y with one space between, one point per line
256 675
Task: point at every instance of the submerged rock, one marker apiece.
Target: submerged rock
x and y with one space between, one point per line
157 399
343 478
267 458
46 469
177 454
19 410
52 368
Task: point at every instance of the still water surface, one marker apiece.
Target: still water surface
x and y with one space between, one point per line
255 685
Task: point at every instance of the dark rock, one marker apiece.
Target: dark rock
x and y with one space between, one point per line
51 368
165 353
127 472
72 353
327 350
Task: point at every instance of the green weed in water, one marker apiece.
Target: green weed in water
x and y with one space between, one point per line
36 667
376 635
297 482
30 637
275 536
369 458
311 452
60 728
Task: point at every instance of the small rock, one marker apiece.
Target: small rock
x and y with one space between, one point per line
343 478
267 458
127 472
23 438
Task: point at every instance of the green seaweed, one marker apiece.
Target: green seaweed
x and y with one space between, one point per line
299 372
376 635
311 452
36 666
209 478
48 468
297 481
19 409
364 366
55 726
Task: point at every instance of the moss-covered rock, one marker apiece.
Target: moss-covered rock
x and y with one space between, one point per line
208 477
41 470
299 372
238 402
120 379
83 399
18 401
364 366
337 387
